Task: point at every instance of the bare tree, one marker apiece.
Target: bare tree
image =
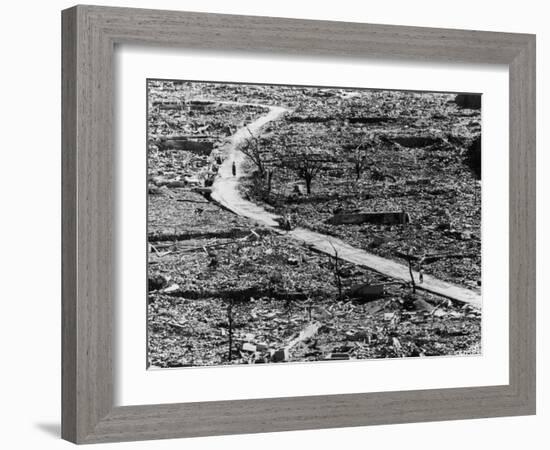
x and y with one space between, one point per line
269 178
409 261
252 149
306 162
336 270
360 157
360 160
309 307
230 305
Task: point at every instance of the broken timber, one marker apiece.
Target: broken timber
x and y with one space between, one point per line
386 218
307 333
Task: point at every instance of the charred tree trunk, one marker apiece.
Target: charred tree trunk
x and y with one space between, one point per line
308 180
337 276
230 328
336 268
409 260
269 179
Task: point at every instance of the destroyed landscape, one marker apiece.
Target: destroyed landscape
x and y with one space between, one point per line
308 224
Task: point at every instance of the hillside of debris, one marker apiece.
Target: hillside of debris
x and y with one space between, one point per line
222 278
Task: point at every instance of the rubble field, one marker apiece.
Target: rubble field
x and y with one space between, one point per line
222 290
415 160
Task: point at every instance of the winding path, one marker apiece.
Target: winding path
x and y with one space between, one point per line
225 191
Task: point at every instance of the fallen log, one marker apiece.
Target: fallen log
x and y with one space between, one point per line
202 147
384 218
169 184
231 233
432 258
428 259
186 200
238 295
309 119
416 141
206 192
252 234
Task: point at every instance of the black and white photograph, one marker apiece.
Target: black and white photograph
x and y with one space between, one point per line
274 225
299 224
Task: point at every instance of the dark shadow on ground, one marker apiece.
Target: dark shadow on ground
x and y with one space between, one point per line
243 295
53 429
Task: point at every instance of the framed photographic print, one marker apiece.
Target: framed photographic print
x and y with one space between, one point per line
277 224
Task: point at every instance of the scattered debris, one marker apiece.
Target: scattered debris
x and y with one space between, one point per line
247 347
172 288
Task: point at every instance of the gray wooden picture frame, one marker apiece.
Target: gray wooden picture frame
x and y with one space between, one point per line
89 37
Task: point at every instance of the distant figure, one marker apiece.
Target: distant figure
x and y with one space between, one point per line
287 222
234 169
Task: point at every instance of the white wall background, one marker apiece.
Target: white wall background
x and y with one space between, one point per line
30 236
